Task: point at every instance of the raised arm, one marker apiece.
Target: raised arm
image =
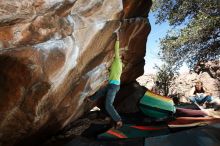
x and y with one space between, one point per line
117 49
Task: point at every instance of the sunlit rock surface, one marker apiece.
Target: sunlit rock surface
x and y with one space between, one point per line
184 83
55 53
207 72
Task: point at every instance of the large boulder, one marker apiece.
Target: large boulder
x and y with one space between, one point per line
148 81
207 72
55 53
183 84
127 100
211 67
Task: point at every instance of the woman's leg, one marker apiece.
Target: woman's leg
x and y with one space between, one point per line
111 93
100 93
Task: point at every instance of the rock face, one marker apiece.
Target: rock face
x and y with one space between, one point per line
147 80
185 82
211 67
55 53
127 100
182 84
207 72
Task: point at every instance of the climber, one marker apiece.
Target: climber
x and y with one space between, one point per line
200 95
112 87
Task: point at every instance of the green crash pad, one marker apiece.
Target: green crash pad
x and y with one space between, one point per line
157 106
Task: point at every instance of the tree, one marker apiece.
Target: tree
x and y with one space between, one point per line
195 34
164 77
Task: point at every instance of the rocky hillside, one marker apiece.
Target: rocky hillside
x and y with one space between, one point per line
207 72
211 67
185 82
55 53
147 80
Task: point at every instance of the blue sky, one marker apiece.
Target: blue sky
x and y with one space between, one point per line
157 32
151 59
